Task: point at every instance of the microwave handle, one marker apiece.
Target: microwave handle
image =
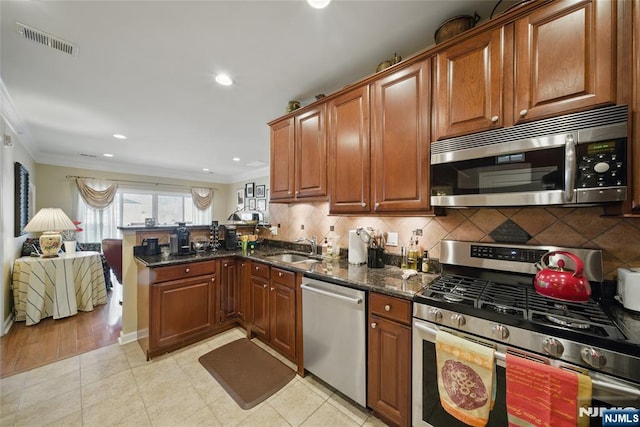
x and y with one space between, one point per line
569 167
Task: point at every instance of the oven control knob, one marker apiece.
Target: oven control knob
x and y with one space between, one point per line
552 347
593 357
434 315
500 331
458 320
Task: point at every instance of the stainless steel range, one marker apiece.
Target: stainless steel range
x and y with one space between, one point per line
486 295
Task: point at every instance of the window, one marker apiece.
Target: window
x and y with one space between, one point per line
167 208
131 207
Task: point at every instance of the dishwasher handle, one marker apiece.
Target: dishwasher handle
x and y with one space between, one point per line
331 294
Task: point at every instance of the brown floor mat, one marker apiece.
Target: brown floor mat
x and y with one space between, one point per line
248 373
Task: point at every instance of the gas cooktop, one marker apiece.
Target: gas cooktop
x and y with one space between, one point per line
519 302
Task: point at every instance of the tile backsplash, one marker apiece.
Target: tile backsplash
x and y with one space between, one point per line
619 238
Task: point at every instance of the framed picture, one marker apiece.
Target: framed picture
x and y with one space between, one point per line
252 203
240 198
21 202
260 191
261 204
248 190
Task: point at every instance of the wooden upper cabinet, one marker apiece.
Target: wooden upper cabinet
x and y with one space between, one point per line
400 139
282 159
349 152
311 153
299 157
469 84
564 58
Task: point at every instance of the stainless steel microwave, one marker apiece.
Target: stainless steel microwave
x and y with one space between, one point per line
579 158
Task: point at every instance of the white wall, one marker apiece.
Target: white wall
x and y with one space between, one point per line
11 246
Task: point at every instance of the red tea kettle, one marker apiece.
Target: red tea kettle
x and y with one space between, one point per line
561 284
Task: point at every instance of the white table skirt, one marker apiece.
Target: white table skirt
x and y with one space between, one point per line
57 287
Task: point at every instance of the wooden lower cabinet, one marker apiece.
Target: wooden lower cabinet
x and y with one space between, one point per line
273 307
230 295
177 305
389 357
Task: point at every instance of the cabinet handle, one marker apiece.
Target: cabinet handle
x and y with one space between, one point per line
225 265
289 192
257 268
297 192
387 307
363 204
377 205
494 119
280 273
523 113
213 279
272 289
186 270
264 286
374 325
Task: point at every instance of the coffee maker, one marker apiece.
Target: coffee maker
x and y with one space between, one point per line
230 237
182 232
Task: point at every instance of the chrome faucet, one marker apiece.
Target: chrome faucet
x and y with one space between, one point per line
314 244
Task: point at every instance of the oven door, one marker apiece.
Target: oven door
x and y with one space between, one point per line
426 409
607 392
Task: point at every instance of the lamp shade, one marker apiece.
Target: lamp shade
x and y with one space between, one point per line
50 219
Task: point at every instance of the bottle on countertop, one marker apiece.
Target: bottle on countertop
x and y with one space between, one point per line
426 262
325 248
412 256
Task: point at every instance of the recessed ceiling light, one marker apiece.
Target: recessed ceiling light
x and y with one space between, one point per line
224 79
205 169
319 4
108 155
236 159
119 136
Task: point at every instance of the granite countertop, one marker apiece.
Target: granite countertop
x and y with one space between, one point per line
387 280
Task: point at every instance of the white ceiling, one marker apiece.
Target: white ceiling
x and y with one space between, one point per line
145 69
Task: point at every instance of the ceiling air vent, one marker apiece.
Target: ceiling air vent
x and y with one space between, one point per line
45 39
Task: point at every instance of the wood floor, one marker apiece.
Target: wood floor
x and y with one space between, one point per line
28 347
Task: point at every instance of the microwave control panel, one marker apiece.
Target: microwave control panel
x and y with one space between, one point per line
602 164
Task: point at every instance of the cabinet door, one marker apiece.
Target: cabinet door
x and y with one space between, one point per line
468 86
564 58
282 160
389 386
349 152
282 310
260 306
400 140
244 273
181 309
311 154
229 290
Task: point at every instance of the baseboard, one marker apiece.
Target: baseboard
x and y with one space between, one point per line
127 338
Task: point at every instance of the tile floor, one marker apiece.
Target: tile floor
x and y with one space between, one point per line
116 386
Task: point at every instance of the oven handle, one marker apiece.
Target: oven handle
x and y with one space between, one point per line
606 385
569 167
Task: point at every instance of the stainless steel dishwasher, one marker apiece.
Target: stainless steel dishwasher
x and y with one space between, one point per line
334 333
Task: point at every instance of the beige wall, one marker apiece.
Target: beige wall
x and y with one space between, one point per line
11 246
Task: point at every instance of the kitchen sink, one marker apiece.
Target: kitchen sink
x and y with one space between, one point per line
293 258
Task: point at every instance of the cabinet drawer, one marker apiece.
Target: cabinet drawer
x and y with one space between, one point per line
390 307
283 277
260 270
181 271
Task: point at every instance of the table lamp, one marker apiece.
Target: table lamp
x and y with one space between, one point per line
50 221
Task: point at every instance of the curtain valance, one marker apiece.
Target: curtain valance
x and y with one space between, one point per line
202 197
98 194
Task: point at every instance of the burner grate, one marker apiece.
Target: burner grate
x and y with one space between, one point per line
455 289
504 299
